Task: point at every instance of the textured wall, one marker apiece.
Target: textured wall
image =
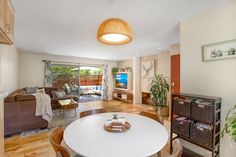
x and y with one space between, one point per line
8 68
216 78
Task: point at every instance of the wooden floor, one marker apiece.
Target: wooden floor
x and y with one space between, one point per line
39 146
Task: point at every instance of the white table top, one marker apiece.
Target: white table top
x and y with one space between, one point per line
87 137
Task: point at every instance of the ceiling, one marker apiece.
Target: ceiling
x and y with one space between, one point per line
69 27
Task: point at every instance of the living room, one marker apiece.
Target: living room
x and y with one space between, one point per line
172 45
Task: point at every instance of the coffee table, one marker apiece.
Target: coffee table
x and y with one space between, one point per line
68 104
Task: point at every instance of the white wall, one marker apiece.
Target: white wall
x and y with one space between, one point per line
174 49
31 68
8 68
125 63
163 64
137 97
216 78
163 67
146 81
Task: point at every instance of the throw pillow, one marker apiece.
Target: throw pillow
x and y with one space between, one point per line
68 89
54 95
30 90
60 94
40 91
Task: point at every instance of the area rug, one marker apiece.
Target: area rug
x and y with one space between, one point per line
60 121
33 132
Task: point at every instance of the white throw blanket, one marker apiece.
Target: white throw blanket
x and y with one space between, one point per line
43 106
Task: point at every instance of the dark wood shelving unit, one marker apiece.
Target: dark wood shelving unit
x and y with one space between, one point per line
198 109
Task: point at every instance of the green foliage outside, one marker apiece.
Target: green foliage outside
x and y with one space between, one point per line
114 70
73 71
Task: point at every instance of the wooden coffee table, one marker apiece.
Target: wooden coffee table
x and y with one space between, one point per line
68 104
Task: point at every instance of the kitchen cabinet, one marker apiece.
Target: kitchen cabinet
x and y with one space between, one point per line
6 22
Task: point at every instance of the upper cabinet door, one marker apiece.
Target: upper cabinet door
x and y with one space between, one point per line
9 22
2 15
6 22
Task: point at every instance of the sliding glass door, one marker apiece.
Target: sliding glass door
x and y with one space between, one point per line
91 83
82 80
66 77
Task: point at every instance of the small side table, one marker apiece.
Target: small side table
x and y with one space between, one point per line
68 104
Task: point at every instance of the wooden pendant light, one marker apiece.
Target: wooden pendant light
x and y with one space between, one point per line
114 31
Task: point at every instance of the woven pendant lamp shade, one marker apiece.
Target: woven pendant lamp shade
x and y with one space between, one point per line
114 31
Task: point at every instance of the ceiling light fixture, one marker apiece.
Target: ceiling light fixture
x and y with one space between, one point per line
114 31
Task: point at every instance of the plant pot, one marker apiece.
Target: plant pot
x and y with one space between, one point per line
163 111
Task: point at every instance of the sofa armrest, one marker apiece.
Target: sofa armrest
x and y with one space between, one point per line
10 99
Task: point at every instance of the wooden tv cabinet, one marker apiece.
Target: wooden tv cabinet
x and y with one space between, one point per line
123 96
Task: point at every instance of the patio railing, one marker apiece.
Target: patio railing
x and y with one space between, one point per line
85 80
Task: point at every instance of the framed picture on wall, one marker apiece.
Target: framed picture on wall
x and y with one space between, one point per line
148 69
220 50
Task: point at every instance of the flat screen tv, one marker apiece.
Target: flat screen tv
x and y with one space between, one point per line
121 81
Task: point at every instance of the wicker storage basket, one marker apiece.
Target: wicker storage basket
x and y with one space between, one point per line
182 106
181 126
203 111
202 134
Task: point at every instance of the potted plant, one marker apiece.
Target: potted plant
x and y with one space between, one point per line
159 89
230 124
114 70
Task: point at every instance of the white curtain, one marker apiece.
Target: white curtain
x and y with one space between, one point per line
47 74
105 83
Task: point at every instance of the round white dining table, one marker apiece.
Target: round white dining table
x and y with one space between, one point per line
87 137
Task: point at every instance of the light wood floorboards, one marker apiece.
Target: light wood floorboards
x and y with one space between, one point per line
39 146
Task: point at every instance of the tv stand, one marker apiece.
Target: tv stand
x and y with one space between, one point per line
123 96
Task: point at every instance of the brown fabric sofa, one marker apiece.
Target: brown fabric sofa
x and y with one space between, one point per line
54 101
19 114
19 111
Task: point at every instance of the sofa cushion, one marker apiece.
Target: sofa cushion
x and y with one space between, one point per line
41 90
54 95
31 90
68 88
48 90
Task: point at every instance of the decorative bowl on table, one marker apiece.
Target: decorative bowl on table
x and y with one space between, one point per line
116 124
